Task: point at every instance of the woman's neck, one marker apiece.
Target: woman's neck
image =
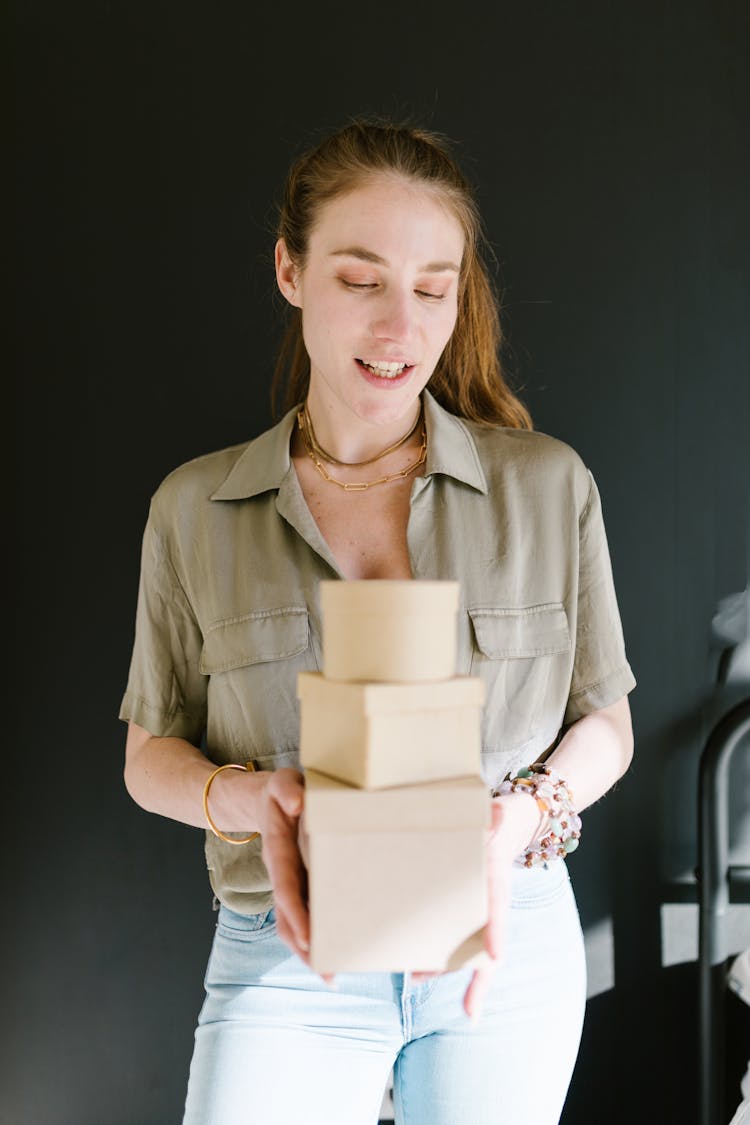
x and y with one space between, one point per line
350 438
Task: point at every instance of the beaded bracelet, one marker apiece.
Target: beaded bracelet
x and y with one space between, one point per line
560 830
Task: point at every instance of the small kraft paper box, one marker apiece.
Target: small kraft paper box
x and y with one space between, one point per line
397 878
389 630
376 735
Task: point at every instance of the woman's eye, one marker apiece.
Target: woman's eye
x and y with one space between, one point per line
365 285
357 284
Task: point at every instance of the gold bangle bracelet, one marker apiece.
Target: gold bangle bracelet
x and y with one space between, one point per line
216 831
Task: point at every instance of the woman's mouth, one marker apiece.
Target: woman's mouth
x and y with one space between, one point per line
388 372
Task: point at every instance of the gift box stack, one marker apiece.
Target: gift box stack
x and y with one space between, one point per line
396 811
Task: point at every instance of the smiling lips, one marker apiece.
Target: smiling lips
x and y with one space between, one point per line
385 370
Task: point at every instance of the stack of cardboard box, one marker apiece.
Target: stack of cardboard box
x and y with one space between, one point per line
396 811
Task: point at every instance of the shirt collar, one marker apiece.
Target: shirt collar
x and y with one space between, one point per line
451 449
265 462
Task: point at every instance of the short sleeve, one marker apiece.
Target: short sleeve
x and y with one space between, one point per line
166 692
601 673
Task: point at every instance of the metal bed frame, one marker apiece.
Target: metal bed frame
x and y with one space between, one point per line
719 883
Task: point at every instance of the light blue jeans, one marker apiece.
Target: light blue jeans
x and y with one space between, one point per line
275 1045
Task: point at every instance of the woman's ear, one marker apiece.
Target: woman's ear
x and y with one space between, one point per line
287 275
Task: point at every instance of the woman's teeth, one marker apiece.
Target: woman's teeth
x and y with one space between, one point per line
385 370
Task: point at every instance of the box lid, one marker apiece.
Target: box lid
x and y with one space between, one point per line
390 698
332 806
391 596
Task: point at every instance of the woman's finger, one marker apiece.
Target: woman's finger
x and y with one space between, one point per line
287 935
287 872
477 990
499 868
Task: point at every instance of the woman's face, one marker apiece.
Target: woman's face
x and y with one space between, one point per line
378 295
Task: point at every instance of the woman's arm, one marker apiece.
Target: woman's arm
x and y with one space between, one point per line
595 752
592 755
168 775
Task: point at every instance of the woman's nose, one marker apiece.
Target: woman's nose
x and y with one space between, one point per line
393 318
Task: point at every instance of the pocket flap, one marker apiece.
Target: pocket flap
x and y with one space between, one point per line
537 630
255 638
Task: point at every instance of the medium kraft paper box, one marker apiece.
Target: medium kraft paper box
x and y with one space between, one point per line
376 735
397 877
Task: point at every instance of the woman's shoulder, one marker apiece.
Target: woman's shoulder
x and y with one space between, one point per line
200 476
543 472
503 449
236 472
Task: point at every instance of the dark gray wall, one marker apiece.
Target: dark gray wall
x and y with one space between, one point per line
608 142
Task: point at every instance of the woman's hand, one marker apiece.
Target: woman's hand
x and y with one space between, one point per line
594 752
279 808
168 776
515 819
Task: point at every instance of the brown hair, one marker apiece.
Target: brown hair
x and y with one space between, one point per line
468 379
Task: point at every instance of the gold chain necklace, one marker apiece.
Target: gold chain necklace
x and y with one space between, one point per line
305 424
360 486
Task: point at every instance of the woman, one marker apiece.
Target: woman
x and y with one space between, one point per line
395 389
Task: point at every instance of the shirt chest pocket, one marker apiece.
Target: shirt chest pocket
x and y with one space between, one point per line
523 656
262 637
253 661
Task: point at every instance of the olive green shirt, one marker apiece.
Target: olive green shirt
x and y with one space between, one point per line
228 608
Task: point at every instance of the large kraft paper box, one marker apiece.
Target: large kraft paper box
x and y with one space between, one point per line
397 877
376 735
